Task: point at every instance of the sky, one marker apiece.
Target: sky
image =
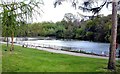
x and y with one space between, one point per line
56 14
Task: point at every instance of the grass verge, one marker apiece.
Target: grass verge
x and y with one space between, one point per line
32 60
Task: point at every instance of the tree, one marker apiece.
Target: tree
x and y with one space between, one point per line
112 53
88 5
14 12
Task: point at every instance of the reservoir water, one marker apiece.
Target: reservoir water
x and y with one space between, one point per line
87 46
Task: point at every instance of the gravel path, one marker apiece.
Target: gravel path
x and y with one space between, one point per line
71 53
66 52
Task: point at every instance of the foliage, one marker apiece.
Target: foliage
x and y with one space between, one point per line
16 13
93 6
98 29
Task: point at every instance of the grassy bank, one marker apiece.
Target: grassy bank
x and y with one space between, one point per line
0 64
32 60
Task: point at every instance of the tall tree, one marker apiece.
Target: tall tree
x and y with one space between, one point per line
14 12
112 53
89 5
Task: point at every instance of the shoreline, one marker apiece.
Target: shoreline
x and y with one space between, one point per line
50 38
64 52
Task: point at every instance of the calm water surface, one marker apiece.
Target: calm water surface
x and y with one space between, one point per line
87 46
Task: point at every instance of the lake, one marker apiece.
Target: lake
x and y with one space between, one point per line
74 45
87 46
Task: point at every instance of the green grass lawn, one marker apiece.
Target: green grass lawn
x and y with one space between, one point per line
0 64
32 60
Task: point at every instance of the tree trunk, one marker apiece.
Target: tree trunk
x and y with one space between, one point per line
7 41
112 52
12 45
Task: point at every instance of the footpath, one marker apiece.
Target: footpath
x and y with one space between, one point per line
66 52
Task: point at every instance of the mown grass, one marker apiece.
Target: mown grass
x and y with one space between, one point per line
0 58
32 60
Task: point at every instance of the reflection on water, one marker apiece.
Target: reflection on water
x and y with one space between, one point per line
87 46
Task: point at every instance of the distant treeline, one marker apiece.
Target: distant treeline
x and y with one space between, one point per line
97 29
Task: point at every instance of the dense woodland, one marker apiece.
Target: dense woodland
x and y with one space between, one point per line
97 29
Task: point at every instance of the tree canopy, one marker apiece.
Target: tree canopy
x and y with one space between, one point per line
16 13
93 6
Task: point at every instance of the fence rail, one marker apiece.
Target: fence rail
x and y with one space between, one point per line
35 45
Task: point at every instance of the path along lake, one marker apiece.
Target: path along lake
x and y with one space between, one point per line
76 45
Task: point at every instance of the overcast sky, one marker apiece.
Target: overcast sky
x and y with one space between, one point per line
57 14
